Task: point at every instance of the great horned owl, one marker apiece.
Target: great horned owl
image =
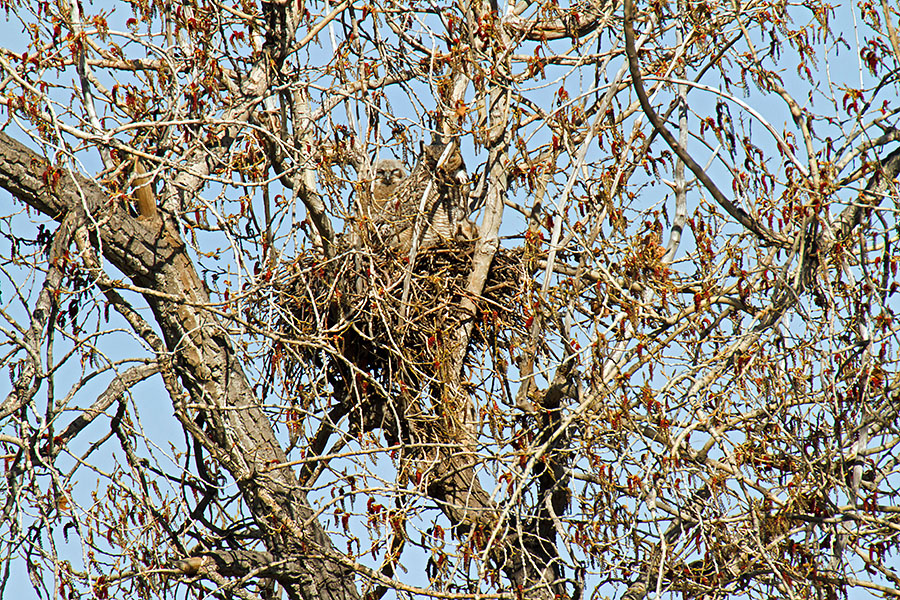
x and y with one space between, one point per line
389 173
373 195
443 207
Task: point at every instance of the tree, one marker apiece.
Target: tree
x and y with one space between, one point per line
583 400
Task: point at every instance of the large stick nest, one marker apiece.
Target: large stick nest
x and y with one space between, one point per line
354 304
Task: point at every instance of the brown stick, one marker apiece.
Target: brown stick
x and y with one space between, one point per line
143 192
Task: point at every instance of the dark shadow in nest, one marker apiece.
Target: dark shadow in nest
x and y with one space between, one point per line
384 358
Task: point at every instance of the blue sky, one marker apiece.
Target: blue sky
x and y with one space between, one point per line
150 400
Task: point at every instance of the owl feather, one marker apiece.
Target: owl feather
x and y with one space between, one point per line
435 191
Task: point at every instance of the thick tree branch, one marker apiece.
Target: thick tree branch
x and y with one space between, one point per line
575 22
880 186
154 257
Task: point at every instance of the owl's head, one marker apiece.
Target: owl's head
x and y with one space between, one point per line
389 171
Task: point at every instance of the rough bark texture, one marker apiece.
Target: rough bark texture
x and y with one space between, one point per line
153 256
